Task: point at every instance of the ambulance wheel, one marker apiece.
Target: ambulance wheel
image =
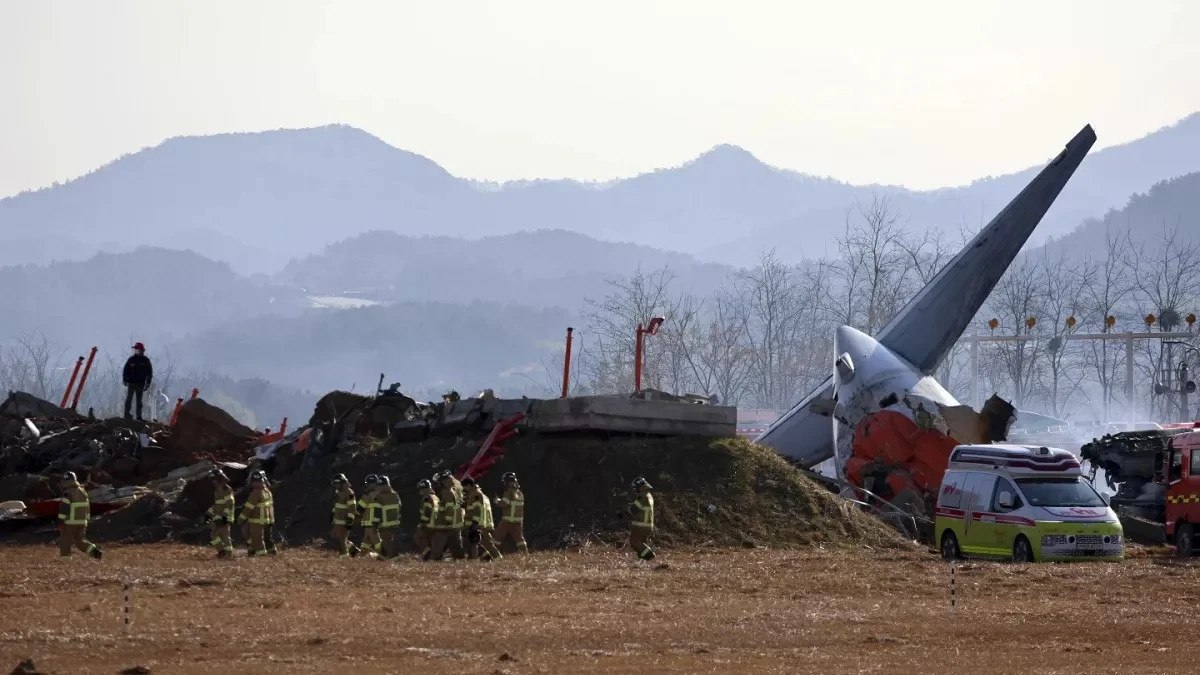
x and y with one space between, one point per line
1185 540
950 546
1022 550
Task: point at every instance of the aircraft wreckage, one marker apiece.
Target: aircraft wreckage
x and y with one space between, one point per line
888 425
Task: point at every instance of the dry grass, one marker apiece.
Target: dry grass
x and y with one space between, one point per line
713 611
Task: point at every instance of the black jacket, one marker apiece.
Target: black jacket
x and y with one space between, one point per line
138 371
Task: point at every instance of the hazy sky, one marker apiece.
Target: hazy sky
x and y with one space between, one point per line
917 93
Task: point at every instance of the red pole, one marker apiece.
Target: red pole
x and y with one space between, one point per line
637 360
83 380
283 426
71 384
567 363
195 393
175 412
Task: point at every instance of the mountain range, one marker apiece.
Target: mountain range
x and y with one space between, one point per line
260 200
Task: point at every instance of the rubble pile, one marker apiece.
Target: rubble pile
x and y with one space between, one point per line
136 471
147 482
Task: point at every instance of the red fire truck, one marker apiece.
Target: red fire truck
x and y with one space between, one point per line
1156 476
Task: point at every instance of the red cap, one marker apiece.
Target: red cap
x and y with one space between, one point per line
139 346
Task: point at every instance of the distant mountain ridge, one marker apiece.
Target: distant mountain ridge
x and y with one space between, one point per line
547 268
259 200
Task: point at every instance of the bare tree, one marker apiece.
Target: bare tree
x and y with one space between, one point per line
1017 297
1063 301
1104 295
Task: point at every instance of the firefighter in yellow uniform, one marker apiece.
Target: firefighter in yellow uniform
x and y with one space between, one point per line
479 523
256 513
388 503
73 514
221 514
427 520
345 508
641 524
369 517
269 526
447 526
512 514
447 476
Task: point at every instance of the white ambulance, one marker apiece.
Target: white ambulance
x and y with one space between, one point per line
1026 503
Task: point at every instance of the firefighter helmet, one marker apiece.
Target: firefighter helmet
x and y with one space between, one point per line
509 477
70 477
217 474
640 482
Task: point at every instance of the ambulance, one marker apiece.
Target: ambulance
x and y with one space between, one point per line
1025 503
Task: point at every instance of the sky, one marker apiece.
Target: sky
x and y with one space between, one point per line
920 94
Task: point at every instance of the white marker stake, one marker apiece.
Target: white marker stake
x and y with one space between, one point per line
952 598
128 610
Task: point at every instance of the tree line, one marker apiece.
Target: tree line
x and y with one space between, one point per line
765 338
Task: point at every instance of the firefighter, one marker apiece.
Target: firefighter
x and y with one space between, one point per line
512 514
73 514
641 523
388 503
345 508
479 523
447 476
269 526
220 515
369 517
423 537
447 526
256 513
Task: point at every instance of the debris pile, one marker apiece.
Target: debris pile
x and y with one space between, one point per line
147 482
143 466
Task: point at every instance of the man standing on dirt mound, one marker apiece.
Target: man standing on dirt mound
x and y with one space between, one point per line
73 514
137 377
221 513
389 516
345 507
512 514
641 524
256 513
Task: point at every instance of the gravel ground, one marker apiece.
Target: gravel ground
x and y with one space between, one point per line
721 611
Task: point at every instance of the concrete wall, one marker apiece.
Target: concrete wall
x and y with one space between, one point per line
626 415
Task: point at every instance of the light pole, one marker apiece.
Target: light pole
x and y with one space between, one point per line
639 351
1186 386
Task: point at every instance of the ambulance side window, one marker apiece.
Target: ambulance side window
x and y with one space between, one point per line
1005 485
982 486
1194 467
952 490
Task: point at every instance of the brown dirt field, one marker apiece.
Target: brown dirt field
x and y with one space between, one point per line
753 610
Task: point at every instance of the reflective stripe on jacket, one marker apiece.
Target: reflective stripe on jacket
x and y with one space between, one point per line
370 516
450 515
270 514
223 504
257 509
429 511
389 509
74 508
479 512
344 506
513 508
643 511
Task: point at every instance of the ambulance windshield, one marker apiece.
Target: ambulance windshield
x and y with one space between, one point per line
1059 492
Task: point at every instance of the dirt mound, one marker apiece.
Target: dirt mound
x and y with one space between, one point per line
708 492
202 427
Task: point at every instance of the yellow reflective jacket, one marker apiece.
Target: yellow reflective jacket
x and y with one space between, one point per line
388 503
74 508
642 510
479 511
344 506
